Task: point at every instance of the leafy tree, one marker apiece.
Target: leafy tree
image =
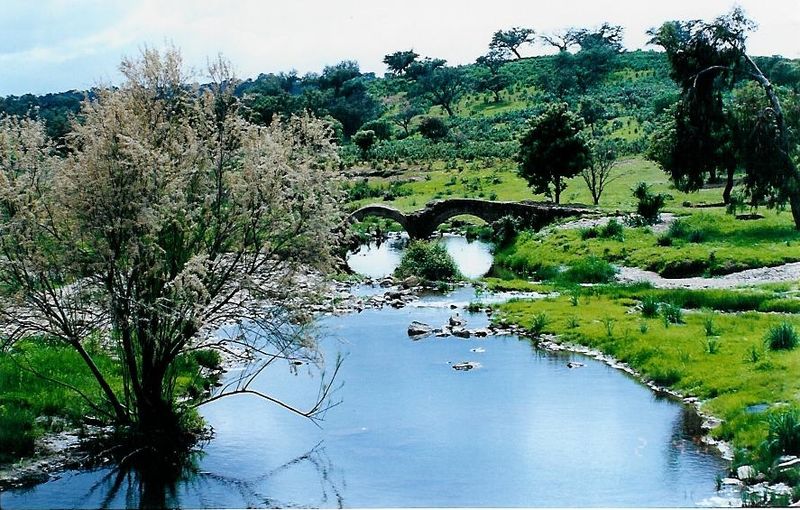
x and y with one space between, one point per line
335 76
364 140
171 216
592 112
552 150
444 86
492 80
405 114
381 128
425 67
706 60
399 61
597 175
433 128
509 41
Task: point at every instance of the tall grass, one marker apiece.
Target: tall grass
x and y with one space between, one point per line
782 337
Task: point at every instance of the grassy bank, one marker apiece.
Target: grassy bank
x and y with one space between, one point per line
703 243
32 405
720 357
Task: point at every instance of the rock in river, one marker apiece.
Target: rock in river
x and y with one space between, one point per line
418 329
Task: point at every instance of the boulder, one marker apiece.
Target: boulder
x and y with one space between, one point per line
575 364
480 333
460 332
417 329
411 281
466 365
457 320
746 473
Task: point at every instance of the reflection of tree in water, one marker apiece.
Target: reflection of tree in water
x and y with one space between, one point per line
159 485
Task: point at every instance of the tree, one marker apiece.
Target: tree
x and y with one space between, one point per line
444 86
171 216
598 174
509 41
706 60
399 61
562 40
552 150
405 114
492 80
364 140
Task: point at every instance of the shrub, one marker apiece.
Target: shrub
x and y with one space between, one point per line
382 130
16 433
612 230
712 345
648 204
589 270
208 358
588 233
364 140
538 323
433 128
649 307
782 337
429 261
672 313
708 325
784 433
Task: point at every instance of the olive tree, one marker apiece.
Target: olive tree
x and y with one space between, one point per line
552 150
171 217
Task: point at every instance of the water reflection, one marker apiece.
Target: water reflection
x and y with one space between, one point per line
381 258
522 430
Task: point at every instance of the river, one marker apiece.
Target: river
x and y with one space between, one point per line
522 429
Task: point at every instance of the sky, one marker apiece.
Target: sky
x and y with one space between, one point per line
57 45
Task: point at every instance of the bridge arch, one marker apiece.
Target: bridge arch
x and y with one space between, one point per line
421 224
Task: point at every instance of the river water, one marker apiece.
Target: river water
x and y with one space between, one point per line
522 429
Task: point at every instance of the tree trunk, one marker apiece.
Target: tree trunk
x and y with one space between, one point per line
726 194
448 109
557 190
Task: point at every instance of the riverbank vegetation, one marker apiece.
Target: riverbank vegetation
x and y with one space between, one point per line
725 347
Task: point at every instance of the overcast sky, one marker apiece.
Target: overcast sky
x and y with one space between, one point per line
56 45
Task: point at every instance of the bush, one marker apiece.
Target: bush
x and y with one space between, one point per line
649 204
782 337
612 230
784 433
538 323
589 270
364 140
429 261
649 307
433 128
588 233
382 130
672 313
16 433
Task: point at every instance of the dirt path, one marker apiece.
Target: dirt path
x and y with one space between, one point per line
784 273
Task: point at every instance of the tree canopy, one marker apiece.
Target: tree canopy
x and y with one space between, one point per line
553 149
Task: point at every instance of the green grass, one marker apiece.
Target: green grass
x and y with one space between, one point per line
427 182
24 396
727 374
728 245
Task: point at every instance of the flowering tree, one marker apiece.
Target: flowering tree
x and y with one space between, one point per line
171 217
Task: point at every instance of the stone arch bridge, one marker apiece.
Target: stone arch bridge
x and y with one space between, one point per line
421 224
